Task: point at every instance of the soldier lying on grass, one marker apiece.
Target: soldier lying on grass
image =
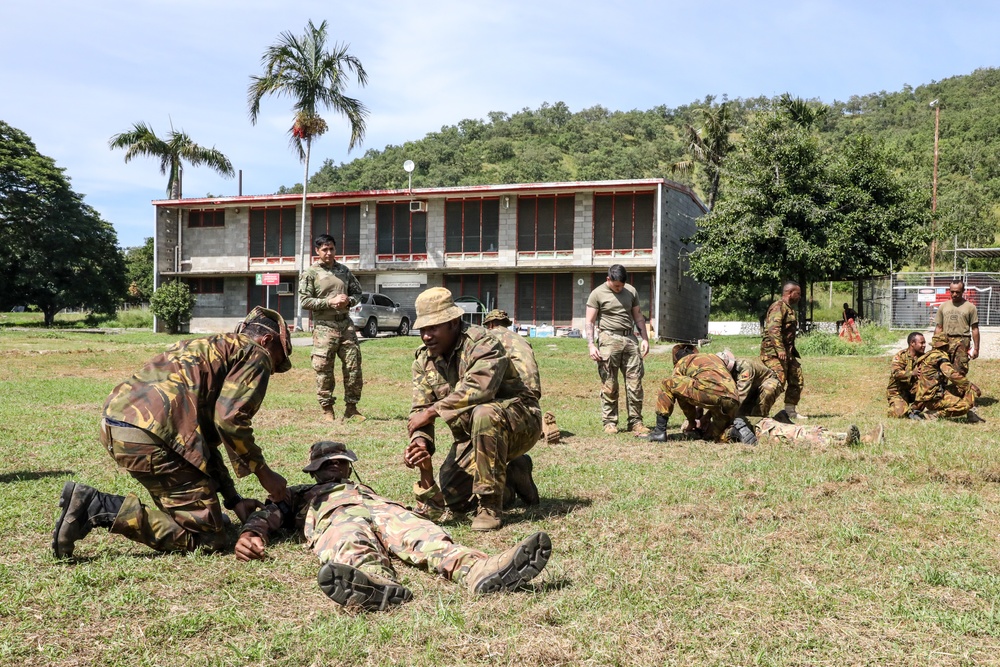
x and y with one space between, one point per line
355 532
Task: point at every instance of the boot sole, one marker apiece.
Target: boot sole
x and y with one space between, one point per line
529 560
64 500
350 587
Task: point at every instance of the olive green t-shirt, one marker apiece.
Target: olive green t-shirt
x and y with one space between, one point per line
957 320
614 311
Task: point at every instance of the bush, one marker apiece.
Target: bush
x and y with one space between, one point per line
875 339
172 303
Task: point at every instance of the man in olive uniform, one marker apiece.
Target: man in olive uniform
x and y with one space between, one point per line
757 386
903 377
959 320
463 375
942 391
705 390
777 347
613 315
165 425
355 533
328 289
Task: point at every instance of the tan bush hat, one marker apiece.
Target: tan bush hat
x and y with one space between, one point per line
499 316
435 306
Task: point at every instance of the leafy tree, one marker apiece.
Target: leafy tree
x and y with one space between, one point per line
57 251
172 302
302 68
171 152
139 272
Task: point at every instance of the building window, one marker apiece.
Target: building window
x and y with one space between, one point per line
472 226
272 233
282 298
401 234
545 224
211 218
343 223
206 285
644 283
544 298
623 224
483 286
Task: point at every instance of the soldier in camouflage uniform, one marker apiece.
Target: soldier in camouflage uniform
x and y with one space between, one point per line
757 386
942 391
355 533
792 434
777 347
328 289
703 387
464 376
165 425
903 378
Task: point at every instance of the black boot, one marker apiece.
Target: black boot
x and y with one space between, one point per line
659 432
519 479
83 508
742 432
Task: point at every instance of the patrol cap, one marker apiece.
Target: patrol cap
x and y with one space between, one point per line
435 306
327 450
282 332
940 339
498 316
727 356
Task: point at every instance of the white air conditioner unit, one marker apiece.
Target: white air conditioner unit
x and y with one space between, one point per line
418 207
282 289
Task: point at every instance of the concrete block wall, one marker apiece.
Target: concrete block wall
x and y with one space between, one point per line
583 229
217 248
682 303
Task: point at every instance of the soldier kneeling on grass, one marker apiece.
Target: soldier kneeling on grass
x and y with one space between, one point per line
355 531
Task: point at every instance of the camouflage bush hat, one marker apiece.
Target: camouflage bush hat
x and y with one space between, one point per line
327 450
282 332
727 356
498 316
940 339
435 306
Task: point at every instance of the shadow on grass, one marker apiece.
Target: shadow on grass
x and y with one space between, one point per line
546 509
986 401
32 475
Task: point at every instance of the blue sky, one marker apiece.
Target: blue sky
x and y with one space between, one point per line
75 73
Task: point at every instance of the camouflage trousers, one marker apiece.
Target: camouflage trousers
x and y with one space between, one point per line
760 400
949 404
188 514
486 438
620 354
958 352
899 404
333 339
366 536
795 434
790 377
699 401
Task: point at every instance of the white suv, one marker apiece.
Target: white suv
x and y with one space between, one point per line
377 312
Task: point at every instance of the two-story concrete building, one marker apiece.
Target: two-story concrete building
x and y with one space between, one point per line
535 249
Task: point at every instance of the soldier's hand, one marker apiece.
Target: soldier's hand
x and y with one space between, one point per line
974 354
249 546
644 347
418 420
782 355
273 483
416 454
338 301
595 354
246 507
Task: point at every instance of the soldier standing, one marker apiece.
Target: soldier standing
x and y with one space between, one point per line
704 388
463 375
942 391
903 376
613 308
164 427
958 319
328 289
355 533
777 348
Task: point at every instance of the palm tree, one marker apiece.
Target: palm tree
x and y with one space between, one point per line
709 146
178 146
301 68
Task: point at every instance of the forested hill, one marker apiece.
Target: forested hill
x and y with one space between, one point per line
553 143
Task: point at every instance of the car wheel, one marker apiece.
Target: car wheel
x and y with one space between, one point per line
404 327
371 328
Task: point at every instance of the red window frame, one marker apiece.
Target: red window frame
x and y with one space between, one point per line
561 296
415 249
285 218
206 285
349 239
209 217
623 222
562 242
471 251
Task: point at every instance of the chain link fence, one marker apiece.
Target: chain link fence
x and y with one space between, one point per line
911 300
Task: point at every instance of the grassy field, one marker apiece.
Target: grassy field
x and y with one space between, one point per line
673 553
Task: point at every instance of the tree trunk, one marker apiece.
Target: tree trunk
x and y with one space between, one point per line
49 312
299 324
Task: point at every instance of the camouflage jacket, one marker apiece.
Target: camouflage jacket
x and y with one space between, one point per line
318 283
749 375
522 358
934 371
310 509
710 372
780 326
196 395
477 371
902 374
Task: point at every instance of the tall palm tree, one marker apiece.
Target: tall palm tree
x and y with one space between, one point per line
709 145
301 68
178 146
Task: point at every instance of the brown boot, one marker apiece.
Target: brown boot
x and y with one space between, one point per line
352 411
513 568
490 513
328 413
874 436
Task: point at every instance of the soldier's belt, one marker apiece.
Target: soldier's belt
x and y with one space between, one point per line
618 332
325 320
959 335
132 434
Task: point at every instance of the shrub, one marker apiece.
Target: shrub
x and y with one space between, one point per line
172 302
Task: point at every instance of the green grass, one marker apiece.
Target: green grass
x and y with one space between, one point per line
664 554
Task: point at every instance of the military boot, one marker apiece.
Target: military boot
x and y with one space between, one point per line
351 410
519 479
350 587
742 432
659 432
83 508
328 413
973 417
852 438
489 516
875 436
513 568
782 417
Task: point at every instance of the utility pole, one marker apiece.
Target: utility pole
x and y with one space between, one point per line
937 125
